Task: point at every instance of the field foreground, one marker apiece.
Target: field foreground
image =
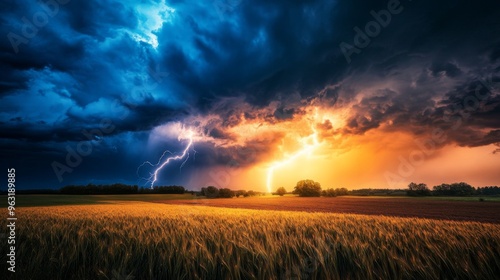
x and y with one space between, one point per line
158 241
387 206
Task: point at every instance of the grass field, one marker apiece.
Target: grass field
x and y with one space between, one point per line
462 198
52 200
123 239
128 237
486 211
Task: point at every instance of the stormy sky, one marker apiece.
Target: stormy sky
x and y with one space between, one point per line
349 93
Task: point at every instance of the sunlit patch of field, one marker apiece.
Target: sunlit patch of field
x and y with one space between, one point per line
157 241
388 206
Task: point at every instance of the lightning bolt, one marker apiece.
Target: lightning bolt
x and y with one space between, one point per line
309 143
162 163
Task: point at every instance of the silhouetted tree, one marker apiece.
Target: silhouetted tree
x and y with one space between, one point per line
211 192
281 191
308 188
100 189
250 193
240 193
329 193
455 189
489 190
341 191
226 193
462 189
169 189
418 189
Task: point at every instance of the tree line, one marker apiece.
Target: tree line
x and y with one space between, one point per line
213 192
305 188
310 188
209 192
454 189
120 189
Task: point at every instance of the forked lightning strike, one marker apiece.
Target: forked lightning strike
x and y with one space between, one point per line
185 154
307 148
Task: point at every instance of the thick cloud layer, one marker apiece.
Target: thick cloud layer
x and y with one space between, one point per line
110 74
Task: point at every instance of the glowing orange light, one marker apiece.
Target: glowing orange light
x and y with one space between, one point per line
309 144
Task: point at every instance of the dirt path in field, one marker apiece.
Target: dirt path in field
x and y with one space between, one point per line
402 207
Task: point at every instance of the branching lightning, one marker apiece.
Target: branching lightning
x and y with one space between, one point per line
163 162
309 144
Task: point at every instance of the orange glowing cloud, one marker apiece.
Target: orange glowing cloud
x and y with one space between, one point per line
329 145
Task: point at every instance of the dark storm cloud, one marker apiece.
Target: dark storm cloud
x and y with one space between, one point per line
259 49
252 151
427 78
448 69
468 114
140 64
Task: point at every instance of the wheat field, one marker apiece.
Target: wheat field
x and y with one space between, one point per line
155 241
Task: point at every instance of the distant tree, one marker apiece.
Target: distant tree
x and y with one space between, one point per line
36 191
418 189
341 191
241 193
170 189
100 189
281 191
455 189
443 189
329 193
489 190
144 190
308 188
250 193
226 193
462 189
211 192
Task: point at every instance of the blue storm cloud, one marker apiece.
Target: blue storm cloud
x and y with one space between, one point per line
107 72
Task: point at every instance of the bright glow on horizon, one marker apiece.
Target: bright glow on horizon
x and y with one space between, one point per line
309 144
